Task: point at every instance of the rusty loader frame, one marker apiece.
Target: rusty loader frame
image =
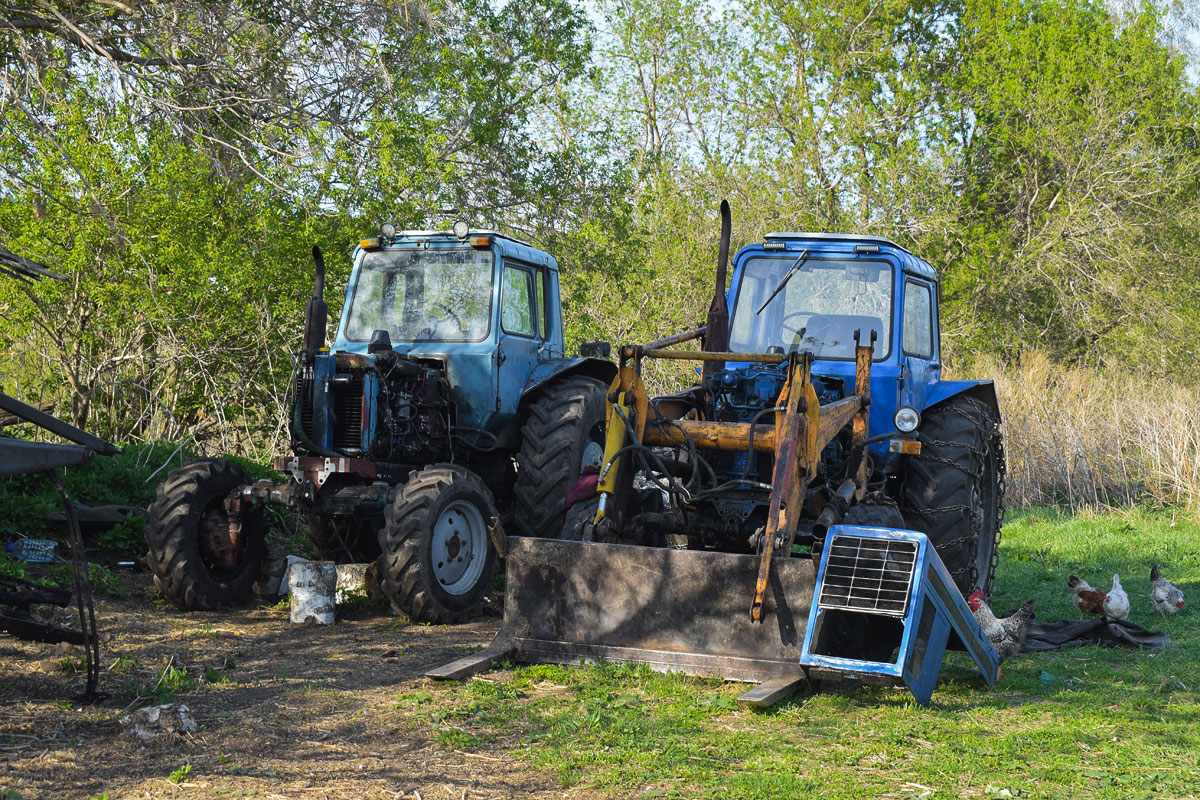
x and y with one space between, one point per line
801 430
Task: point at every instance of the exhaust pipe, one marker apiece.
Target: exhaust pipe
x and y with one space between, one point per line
316 315
716 337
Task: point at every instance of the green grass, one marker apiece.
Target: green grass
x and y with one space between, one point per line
1086 722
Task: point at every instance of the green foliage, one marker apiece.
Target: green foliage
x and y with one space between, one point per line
72 664
126 479
168 682
455 738
126 663
179 775
1042 153
102 579
214 675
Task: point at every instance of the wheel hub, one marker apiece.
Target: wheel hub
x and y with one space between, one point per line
593 455
217 543
459 547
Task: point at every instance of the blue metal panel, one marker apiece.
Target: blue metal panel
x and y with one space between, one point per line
370 409
934 609
323 371
597 368
944 390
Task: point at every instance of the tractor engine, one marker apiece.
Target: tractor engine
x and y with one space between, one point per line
750 395
381 407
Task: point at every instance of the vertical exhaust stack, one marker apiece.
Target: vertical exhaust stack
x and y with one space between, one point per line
716 328
316 316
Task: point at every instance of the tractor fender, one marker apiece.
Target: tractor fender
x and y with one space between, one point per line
983 390
546 371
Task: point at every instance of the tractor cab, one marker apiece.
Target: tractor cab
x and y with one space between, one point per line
481 306
813 291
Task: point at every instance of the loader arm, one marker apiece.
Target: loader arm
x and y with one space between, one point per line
802 428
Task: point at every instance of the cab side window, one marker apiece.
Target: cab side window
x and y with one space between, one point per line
918 320
517 306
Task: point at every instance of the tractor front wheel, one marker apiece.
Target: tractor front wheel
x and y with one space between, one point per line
563 435
197 565
953 491
438 559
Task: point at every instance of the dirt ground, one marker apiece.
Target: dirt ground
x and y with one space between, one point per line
307 711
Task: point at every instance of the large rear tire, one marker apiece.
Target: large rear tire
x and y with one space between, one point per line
438 559
953 492
188 540
564 434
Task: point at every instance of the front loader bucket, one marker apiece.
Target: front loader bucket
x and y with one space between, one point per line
675 610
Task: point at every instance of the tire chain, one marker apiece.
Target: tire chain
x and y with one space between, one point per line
974 530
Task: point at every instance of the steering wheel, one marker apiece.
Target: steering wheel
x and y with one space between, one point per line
798 332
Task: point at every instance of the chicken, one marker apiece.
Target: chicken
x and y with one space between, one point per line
1087 599
1116 605
1007 634
1167 598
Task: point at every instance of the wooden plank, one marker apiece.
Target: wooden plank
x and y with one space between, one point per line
463 668
768 694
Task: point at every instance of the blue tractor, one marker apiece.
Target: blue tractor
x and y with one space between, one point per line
445 411
820 430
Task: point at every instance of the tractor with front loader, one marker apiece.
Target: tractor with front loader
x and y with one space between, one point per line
816 506
445 412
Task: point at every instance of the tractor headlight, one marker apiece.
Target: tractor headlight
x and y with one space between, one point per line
388 230
461 229
907 419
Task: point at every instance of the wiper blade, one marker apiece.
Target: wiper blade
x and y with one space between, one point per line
787 276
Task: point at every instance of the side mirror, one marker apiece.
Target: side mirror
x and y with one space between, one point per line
863 272
595 349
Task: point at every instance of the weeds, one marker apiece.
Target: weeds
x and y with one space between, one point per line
213 675
169 682
125 663
1090 438
179 775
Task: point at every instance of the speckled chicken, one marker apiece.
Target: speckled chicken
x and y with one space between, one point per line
1007 634
1116 604
1087 599
1167 598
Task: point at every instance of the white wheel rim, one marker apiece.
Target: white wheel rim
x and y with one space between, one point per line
593 455
459 547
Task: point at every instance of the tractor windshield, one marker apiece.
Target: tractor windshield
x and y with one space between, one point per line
818 307
423 295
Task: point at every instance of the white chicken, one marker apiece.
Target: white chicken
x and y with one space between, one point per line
1116 604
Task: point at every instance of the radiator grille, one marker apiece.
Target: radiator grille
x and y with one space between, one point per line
871 576
348 414
302 394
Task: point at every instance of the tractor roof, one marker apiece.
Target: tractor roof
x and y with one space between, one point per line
910 262
836 237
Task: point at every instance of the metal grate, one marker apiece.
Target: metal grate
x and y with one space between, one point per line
871 576
348 414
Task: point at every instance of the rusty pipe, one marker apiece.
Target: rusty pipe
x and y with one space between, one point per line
734 436
716 337
835 509
678 338
703 355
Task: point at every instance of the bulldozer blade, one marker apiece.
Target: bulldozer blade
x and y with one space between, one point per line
675 610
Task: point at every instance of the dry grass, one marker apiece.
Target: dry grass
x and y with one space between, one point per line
1096 437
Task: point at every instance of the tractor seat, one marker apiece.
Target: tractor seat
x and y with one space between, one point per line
830 336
